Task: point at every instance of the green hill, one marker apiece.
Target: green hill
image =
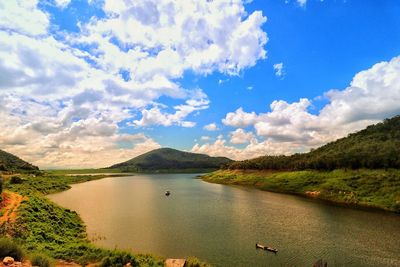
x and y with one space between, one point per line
376 147
171 160
9 162
361 170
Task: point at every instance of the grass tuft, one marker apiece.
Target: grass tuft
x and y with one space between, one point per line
41 260
9 248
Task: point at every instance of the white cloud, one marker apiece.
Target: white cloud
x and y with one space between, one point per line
155 116
278 68
373 95
211 127
65 103
23 17
240 136
62 3
50 134
302 3
228 41
252 150
239 118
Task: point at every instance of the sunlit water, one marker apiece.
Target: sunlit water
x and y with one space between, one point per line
221 224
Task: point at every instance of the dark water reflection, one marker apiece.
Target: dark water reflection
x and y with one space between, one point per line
221 224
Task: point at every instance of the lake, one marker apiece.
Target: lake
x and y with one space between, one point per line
221 224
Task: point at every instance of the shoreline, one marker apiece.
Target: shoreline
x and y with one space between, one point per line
223 177
314 199
44 226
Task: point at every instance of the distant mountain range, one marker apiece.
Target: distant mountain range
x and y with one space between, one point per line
377 146
171 160
9 162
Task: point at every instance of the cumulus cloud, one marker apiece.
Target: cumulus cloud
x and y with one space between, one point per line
211 127
53 134
240 136
278 68
155 116
228 41
63 95
372 96
254 149
239 118
23 17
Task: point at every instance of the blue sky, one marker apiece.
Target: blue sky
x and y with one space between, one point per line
322 46
86 79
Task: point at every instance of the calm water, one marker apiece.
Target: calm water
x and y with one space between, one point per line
221 224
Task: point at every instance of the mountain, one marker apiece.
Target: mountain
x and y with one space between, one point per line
377 146
9 162
170 160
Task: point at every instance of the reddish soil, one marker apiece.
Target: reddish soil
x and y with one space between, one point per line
9 206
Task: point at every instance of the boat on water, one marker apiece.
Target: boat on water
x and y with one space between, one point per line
271 249
167 193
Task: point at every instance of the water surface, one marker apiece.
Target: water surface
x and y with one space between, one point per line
221 224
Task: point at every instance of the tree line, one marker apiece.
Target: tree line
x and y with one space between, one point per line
377 146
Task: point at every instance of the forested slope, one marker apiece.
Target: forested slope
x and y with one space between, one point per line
377 146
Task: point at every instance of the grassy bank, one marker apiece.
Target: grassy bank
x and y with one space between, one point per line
59 233
364 188
82 171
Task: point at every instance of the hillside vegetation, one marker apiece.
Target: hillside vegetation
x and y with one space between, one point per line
361 169
376 147
171 160
362 188
9 162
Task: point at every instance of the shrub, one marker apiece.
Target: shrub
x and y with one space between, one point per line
16 180
118 259
195 262
9 248
40 260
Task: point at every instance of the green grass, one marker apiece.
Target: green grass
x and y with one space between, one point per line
367 188
195 262
41 260
47 183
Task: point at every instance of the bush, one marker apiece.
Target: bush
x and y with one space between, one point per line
9 248
40 260
118 259
16 180
195 262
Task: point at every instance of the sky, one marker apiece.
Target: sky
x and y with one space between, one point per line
90 83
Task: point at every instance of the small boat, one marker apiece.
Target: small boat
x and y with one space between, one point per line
167 193
274 250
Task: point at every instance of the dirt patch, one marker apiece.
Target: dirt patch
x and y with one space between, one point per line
17 264
9 206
